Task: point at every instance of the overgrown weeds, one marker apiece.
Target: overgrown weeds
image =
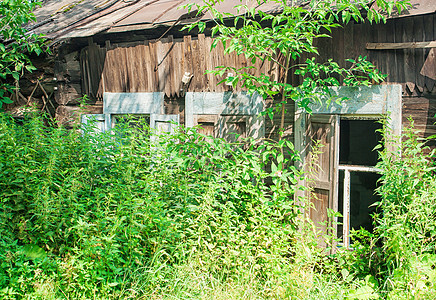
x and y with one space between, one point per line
117 214
124 215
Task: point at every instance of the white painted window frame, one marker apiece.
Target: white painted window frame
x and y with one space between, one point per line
226 104
131 104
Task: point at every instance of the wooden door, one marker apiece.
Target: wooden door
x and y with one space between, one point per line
323 140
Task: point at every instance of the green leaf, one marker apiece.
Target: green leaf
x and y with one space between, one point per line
201 26
7 100
33 252
15 75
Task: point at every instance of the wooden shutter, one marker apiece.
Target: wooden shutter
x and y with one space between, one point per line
208 124
323 129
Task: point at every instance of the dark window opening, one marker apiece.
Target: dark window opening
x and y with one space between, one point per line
357 141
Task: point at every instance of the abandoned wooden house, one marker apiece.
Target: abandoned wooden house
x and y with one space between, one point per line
130 57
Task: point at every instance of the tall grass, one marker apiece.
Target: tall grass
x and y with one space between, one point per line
111 215
120 215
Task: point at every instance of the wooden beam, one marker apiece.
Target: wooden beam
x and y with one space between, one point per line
393 46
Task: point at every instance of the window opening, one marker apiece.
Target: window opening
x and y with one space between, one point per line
141 122
207 128
358 176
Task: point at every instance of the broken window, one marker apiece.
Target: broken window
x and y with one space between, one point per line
358 176
345 176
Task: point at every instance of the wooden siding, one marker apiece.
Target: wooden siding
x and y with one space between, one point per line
403 66
150 66
159 66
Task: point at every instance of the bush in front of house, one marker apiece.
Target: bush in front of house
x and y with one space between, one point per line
111 214
121 215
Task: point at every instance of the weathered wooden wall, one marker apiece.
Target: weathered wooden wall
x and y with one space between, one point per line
402 66
150 66
159 66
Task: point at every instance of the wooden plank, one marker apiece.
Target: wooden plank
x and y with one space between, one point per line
169 65
219 61
211 80
135 63
118 70
399 54
153 66
420 34
389 56
429 29
148 70
203 57
142 71
409 55
381 34
198 72
131 66
404 45
174 67
188 67
161 62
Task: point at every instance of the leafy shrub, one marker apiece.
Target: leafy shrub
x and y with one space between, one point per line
407 226
104 210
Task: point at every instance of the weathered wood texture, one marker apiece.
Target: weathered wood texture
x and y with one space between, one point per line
67 74
159 66
402 66
423 111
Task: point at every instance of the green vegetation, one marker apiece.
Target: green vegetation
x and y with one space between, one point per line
113 216
120 215
284 37
16 44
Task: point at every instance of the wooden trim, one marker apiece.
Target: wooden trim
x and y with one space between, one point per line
133 103
394 46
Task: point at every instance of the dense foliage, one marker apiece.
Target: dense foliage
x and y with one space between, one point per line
95 214
285 37
16 43
113 216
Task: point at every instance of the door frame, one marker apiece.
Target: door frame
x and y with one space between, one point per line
374 102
